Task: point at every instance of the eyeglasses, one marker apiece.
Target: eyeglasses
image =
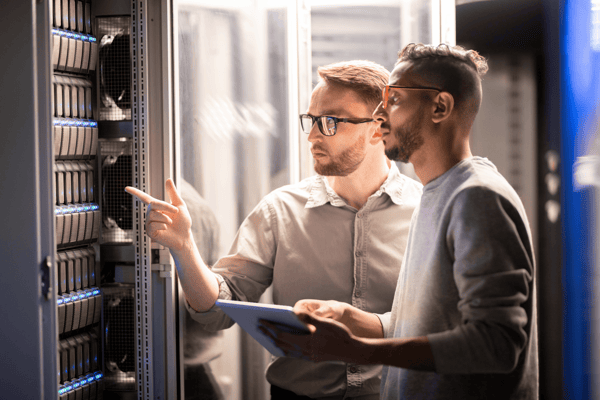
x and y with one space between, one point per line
327 124
386 91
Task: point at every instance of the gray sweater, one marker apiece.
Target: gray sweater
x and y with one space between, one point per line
467 283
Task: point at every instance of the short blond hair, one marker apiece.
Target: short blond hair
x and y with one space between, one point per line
364 77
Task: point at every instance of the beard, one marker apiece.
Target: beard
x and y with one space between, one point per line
408 140
344 163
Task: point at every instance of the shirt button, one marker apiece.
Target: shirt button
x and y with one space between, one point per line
358 293
353 369
358 253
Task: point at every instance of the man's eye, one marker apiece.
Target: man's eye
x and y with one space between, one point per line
393 99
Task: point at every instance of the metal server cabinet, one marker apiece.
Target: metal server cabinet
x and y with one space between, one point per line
52 291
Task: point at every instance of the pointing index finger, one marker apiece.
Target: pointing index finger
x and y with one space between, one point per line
144 197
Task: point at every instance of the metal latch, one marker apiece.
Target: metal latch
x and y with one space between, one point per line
45 278
161 260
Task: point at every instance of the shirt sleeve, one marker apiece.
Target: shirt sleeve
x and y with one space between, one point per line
385 322
247 271
493 271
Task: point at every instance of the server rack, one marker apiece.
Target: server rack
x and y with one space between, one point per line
55 234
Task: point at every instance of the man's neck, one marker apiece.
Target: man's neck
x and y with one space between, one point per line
362 183
439 158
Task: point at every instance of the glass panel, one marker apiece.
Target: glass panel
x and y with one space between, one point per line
233 113
367 30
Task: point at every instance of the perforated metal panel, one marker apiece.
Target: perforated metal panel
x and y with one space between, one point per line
143 280
119 337
117 221
114 75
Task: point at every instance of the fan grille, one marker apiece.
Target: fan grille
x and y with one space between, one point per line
114 75
117 213
119 337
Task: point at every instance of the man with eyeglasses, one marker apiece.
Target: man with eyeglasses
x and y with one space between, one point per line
337 235
463 323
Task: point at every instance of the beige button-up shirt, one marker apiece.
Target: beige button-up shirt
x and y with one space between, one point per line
308 243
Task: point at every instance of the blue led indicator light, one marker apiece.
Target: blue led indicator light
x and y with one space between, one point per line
77 36
90 379
98 376
67 299
96 292
74 298
69 388
88 294
56 122
63 122
62 33
60 301
76 385
92 39
86 208
79 123
94 124
81 296
54 31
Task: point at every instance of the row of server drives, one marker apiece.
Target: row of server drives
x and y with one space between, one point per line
73 52
72 97
77 270
74 15
75 139
74 182
78 310
79 370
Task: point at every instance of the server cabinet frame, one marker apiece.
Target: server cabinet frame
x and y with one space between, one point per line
29 337
152 115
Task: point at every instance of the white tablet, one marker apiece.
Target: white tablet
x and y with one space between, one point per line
248 314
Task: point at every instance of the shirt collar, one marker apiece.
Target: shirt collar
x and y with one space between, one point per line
321 193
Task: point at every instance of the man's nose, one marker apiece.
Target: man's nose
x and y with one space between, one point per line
380 115
315 133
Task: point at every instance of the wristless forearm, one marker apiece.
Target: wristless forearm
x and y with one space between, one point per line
362 323
412 353
199 283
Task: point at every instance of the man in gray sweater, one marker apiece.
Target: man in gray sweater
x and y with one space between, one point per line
463 320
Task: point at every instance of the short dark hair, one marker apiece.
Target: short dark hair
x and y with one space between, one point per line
366 78
451 68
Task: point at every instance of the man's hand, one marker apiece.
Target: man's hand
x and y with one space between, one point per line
166 223
328 340
321 308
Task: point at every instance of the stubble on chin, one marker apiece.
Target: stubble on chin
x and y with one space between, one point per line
343 164
408 140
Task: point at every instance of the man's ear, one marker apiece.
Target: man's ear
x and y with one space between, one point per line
443 106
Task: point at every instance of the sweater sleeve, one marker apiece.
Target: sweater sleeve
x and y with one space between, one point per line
493 271
248 269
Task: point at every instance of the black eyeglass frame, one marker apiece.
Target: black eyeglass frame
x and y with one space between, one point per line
323 120
386 91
